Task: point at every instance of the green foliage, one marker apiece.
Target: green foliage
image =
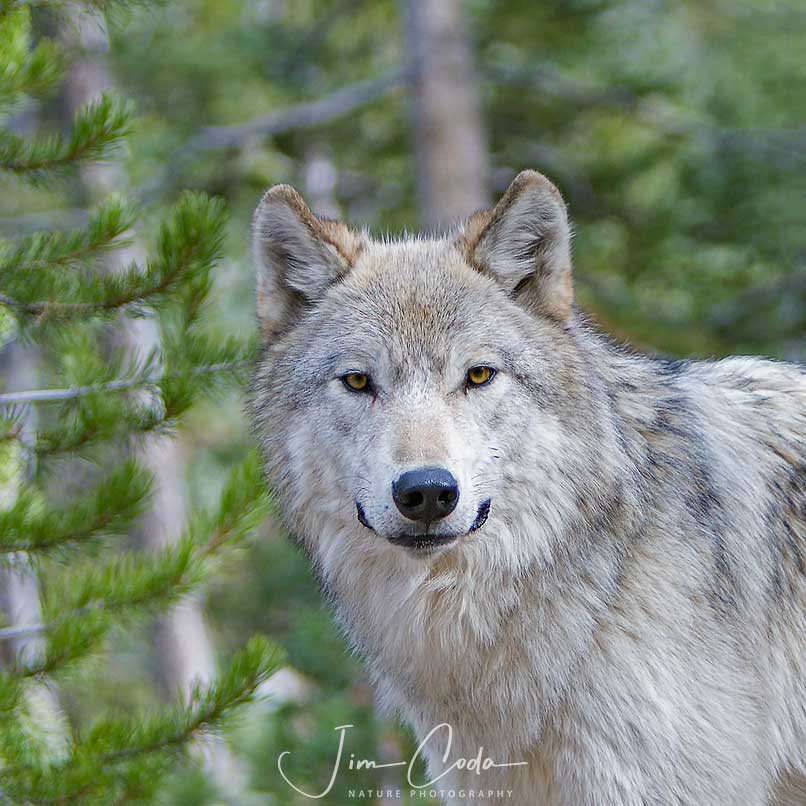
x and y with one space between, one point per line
109 509
673 134
51 252
97 129
120 755
73 487
672 130
25 70
189 244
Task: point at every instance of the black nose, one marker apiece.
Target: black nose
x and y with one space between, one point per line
426 495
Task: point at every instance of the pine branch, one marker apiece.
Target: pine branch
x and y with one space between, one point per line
104 6
237 686
97 598
73 641
110 420
109 509
23 631
26 70
243 506
97 129
101 759
305 115
147 581
119 385
83 610
188 245
55 251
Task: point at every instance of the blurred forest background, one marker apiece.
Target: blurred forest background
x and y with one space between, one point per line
675 130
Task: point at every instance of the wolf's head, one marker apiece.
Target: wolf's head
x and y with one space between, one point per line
421 396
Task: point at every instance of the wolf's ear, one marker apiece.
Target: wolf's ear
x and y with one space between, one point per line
298 257
524 242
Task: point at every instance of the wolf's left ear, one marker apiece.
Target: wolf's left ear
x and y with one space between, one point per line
298 257
524 242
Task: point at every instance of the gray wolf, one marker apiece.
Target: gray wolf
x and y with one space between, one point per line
580 558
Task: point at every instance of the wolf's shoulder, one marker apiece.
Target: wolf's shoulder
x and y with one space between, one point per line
758 395
751 375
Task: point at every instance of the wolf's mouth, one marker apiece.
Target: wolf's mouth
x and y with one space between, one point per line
482 515
362 516
424 544
427 541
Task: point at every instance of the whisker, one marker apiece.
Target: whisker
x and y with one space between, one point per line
351 476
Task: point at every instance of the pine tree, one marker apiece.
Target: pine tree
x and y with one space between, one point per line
71 488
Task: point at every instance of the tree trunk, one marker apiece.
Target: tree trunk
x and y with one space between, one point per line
450 143
19 581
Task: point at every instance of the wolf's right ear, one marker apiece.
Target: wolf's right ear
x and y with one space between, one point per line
524 243
298 256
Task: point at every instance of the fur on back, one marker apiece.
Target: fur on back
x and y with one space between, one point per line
631 619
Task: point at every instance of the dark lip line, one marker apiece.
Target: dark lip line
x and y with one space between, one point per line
362 516
482 515
428 541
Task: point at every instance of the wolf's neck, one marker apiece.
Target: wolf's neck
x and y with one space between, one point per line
473 641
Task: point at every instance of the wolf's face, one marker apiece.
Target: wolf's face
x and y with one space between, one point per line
408 389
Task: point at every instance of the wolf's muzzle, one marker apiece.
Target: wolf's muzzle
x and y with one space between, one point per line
428 541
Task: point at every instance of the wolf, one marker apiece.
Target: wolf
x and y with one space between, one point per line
588 562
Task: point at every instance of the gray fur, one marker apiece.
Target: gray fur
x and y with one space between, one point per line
631 620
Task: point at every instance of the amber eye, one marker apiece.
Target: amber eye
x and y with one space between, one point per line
356 381
478 376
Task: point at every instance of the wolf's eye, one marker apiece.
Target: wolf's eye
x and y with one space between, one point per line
479 376
356 381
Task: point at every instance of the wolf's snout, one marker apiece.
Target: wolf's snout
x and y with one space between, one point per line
427 494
